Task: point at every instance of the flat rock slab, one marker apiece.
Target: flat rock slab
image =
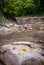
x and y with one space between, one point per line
5 30
20 53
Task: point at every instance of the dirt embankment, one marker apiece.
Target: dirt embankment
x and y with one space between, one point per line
30 20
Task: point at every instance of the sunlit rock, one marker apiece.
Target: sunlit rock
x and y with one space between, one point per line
23 53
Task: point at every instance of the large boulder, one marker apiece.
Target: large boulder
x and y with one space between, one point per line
20 54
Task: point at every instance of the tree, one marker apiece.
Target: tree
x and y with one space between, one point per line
22 7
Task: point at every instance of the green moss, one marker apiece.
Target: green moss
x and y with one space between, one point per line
2 23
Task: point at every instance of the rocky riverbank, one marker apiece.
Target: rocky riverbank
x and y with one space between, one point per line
33 30
27 32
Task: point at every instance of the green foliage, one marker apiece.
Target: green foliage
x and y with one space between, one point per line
2 23
22 7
